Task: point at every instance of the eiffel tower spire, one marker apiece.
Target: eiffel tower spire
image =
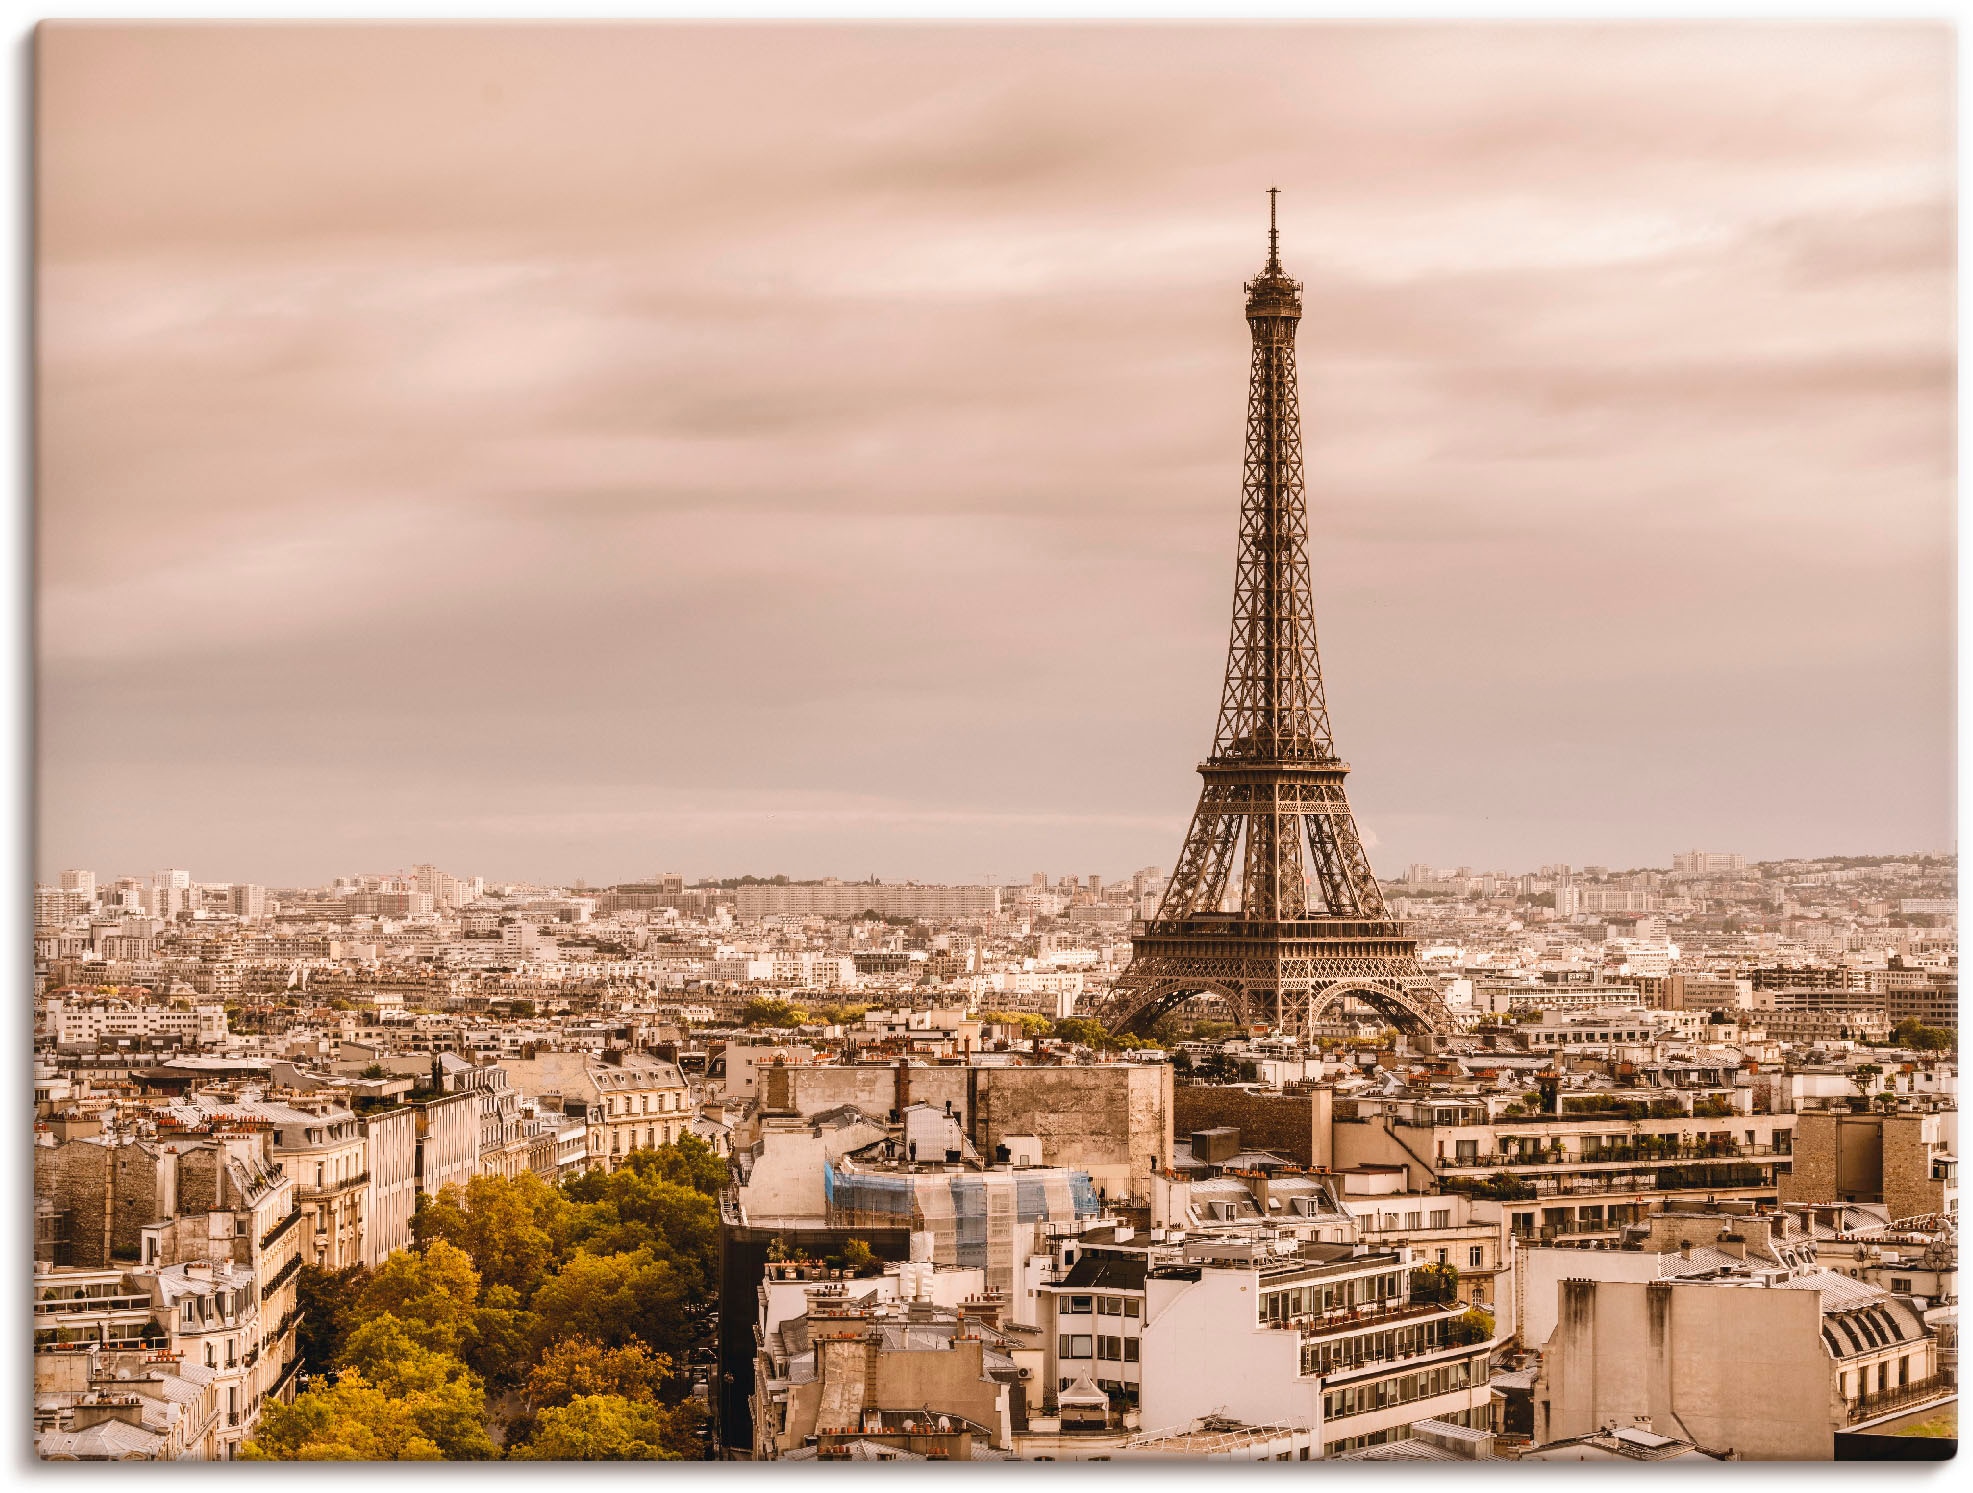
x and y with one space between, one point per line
1309 926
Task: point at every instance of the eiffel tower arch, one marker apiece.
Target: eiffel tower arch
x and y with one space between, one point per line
1304 926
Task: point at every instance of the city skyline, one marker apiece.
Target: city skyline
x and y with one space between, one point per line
506 478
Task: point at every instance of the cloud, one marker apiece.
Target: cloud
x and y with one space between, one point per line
472 419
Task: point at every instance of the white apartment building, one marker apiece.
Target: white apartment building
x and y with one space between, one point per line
85 1026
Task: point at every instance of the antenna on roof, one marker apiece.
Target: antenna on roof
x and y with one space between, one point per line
1273 232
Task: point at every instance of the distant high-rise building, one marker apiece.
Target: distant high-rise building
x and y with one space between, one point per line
171 893
249 901
80 881
1041 880
1708 863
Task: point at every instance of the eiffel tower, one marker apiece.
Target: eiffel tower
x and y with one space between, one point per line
1310 928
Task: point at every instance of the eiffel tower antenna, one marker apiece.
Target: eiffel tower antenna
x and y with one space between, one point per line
1310 928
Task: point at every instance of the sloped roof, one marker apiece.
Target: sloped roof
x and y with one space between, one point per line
110 1440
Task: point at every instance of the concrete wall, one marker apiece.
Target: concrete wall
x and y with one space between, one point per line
1203 1354
1113 1121
391 1141
1730 1368
1109 1120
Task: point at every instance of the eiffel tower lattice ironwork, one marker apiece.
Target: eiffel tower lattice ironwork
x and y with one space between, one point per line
1310 928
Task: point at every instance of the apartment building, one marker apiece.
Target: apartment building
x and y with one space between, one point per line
1580 1174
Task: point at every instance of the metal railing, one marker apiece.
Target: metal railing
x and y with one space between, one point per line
280 1228
1348 1319
281 1277
1882 1402
1610 1156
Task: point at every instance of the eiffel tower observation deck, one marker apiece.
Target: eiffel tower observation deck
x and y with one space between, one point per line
1306 927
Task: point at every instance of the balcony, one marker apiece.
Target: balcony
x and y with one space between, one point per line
281 1277
1541 1162
1870 1406
94 1304
1355 1319
331 1189
280 1228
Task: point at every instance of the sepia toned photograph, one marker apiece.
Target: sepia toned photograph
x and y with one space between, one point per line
993 742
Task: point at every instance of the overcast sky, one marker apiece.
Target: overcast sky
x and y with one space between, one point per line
587 451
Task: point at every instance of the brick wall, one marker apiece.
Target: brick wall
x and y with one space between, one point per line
1282 1123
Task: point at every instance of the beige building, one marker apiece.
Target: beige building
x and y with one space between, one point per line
629 1100
1766 1372
1904 1160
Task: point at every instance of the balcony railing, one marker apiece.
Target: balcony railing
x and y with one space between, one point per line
281 1277
1347 1319
1883 1402
1608 1156
280 1228
95 1304
309 1190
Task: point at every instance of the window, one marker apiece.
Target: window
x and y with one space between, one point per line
1467 1150
1475 1256
1904 1372
1131 1345
1111 1348
1080 1304
1132 1306
1109 1306
1899 1284
1442 1218
1411 1220
1076 1345
1443 1256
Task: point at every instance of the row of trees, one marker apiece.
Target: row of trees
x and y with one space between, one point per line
528 1321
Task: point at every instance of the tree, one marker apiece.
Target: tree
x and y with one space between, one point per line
771 1011
688 1162
1031 1023
500 1337
326 1300
600 1428
617 1299
503 1223
1435 1281
582 1366
385 1353
432 1291
1083 1030
1914 1034
1474 1325
355 1421
637 1207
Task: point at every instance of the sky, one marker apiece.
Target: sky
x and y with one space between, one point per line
586 451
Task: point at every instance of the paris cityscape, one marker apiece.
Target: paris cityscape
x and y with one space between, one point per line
1274 1150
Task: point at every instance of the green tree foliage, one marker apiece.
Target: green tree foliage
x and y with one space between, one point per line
1031 1023
385 1353
638 1207
600 1428
582 1366
688 1162
503 1223
768 1011
355 1421
432 1291
617 1299
582 1296
1083 1030
1474 1325
1435 1282
1916 1035
327 1301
